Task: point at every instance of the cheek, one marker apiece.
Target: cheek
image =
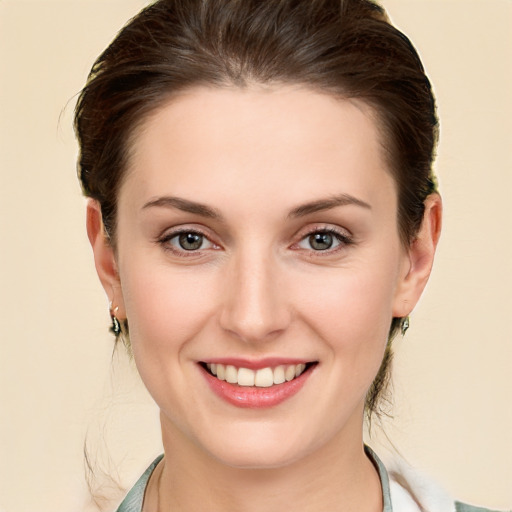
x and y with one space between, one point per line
352 299
352 311
165 309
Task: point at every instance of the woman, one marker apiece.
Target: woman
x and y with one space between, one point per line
264 218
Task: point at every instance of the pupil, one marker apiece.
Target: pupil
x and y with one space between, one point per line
190 241
321 241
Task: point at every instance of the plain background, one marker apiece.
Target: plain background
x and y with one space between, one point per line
58 381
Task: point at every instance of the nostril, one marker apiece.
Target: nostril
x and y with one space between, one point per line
255 324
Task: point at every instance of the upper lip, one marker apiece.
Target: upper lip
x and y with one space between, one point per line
257 364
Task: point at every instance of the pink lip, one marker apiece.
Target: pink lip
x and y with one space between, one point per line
253 397
269 362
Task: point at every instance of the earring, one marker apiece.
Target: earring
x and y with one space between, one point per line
116 326
404 325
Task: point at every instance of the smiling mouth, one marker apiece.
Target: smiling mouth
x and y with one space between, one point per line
261 378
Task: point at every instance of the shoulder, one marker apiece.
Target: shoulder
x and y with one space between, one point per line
462 507
424 491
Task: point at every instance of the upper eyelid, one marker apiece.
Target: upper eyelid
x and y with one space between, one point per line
300 234
178 230
344 237
171 233
322 228
164 241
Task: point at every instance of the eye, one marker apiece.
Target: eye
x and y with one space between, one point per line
324 240
187 241
321 241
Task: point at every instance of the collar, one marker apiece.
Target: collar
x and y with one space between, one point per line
134 499
384 478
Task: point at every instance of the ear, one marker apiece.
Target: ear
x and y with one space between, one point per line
104 257
419 259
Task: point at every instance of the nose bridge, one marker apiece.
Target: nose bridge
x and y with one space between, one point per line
254 308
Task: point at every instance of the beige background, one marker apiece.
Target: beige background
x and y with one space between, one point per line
453 410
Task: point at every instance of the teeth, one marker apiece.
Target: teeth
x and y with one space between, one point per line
289 373
245 377
231 374
262 378
299 369
279 375
221 372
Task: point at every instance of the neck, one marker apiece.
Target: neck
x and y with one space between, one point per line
337 477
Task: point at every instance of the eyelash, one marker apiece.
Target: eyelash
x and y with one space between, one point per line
164 241
342 238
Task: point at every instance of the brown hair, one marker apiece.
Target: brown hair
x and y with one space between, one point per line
346 48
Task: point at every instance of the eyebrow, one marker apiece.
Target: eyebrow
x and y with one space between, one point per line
328 204
184 205
203 210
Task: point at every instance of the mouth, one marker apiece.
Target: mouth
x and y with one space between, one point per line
266 377
266 384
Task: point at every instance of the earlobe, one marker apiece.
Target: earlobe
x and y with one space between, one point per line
420 258
104 257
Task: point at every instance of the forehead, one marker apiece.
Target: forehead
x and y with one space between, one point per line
305 143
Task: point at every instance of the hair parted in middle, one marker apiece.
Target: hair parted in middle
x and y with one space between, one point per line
344 48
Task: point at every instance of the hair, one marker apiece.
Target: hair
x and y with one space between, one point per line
345 48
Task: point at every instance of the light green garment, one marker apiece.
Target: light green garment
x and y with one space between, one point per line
134 499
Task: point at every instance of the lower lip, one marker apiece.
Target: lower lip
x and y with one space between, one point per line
254 397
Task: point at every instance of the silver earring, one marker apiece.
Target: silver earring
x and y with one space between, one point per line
404 325
116 326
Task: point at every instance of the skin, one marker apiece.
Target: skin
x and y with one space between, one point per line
257 288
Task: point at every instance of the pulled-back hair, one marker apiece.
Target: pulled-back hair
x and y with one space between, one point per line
346 48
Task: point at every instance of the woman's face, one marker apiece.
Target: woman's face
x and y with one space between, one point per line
257 231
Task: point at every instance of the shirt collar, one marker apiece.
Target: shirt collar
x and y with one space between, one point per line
384 478
134 499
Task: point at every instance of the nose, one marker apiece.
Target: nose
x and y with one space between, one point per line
255 306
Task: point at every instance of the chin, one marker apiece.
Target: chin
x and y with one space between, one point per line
257 458
259 448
